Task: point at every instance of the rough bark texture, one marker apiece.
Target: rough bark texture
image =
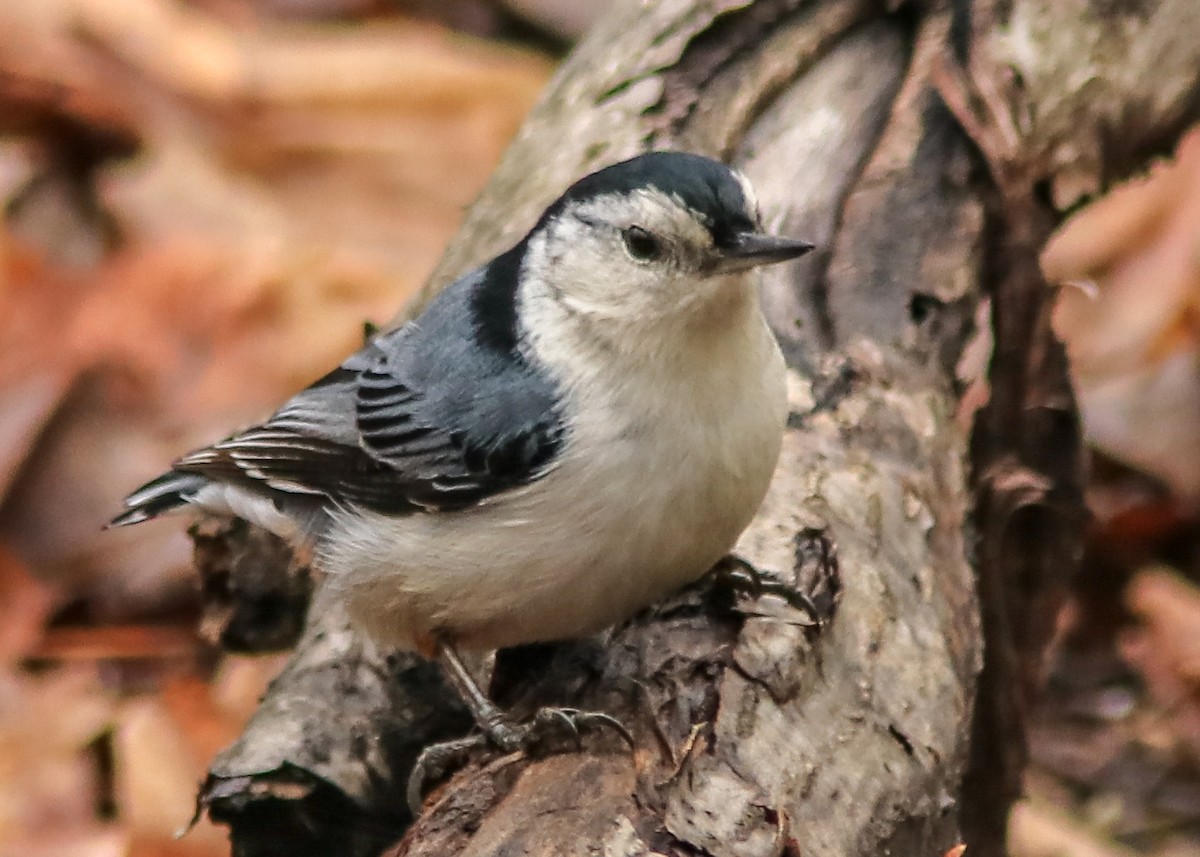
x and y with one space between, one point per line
920 146
254 591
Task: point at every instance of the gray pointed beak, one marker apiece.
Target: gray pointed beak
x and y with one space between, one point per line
751 249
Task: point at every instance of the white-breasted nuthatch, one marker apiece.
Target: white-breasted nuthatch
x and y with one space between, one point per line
563 436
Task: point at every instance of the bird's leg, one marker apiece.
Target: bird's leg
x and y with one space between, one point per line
742 577
497 728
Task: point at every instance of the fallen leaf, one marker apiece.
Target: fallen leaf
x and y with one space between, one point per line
47 777
156 776
25 605
1035 830
1135 345
1165 648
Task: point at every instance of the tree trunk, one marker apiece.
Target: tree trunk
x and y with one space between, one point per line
934 514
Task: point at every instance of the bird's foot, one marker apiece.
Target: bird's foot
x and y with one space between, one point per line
571 722
435 762
744 579
503 734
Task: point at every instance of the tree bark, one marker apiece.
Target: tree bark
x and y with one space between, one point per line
923 147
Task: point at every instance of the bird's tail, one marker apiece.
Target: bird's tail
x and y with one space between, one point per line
169 491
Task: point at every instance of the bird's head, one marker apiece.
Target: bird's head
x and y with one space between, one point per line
663 236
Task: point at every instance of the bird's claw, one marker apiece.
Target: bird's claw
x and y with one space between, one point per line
548 718
742 577
508 737
573 720
433 763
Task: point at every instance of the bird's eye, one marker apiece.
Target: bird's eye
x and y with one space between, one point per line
641 244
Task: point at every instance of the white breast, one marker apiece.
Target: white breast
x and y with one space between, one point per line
664 466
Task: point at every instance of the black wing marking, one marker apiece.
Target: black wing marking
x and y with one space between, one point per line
456 453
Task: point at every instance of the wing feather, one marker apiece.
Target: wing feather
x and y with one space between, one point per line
421 419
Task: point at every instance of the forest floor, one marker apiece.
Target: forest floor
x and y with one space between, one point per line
199 219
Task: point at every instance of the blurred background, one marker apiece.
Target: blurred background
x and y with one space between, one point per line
204 201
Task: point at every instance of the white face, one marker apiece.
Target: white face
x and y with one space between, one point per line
634 258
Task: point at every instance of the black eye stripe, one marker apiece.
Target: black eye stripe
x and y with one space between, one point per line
641 244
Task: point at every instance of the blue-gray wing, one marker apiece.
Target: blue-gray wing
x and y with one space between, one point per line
432 416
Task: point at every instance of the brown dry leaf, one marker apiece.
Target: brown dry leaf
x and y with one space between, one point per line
36 300
1135 348
47 780
49 789
55 511
26 406
1036 830
162 747
372 136
83 840
1166 648
156 774
25 605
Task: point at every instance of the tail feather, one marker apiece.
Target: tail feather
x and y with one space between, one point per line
167 492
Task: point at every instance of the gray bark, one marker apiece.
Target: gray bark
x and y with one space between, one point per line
915 144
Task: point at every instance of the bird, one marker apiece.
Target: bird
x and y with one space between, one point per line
563 436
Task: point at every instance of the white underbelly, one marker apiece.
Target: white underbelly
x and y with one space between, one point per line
587 545
566 556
